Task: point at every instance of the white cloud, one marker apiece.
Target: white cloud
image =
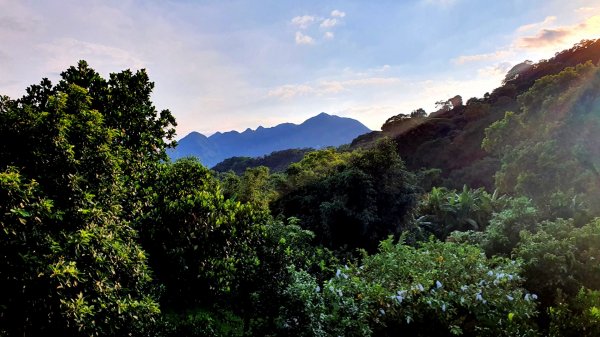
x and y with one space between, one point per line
377 113
330 87
371 72
303 21
334 87
337 13
372 81
587 10
494 71
548 20
482 57
64 52
304 39
329 23
562 36
290 90
539 37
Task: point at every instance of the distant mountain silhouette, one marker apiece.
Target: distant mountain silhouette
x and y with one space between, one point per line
317 132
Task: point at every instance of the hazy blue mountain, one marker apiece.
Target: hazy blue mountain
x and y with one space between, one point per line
317 132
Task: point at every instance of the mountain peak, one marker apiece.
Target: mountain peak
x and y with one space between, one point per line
316 132
195 134
321 117
324 118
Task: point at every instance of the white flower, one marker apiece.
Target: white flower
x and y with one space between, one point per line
510 298
438 284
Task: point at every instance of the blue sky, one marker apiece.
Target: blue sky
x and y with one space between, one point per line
223 65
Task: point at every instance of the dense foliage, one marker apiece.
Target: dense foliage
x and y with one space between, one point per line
277 161
101 235
437 289
72 161
360 202
534 158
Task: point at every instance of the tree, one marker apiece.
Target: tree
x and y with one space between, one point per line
560 160
418 113
201 244
517 70
560 266
73 161
443 211
359 203
449 104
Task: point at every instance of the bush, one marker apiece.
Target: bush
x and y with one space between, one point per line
438 289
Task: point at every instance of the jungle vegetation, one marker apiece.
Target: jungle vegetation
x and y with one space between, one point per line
485 224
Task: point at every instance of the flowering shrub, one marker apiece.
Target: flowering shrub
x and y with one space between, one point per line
436 289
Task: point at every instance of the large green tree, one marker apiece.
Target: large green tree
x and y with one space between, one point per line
361 201
73 160
202 245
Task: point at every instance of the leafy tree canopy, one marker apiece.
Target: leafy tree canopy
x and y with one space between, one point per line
549 148
73 158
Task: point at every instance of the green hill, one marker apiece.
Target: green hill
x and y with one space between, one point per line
450 139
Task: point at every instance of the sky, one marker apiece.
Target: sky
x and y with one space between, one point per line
231 65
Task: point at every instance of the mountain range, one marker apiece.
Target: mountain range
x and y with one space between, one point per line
317 132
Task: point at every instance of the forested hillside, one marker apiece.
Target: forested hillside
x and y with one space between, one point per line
480 219
276 161
450 138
